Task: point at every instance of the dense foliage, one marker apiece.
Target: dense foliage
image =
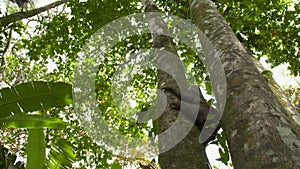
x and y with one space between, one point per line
45 48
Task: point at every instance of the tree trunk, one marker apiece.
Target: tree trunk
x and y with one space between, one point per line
188 152
259 132
281 96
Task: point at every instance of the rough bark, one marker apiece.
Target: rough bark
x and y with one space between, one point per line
281 96
259 132
188 153
6 20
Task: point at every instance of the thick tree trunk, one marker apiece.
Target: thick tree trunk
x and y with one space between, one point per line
281 96
188 153
259 132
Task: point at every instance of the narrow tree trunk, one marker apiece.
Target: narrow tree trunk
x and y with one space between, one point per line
188 153
259 132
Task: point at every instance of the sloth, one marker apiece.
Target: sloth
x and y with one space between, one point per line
190 100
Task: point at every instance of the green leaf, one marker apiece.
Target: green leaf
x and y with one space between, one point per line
115 166
224 156
58 159
208 87
31 121
267 73
65 147
35 149
33 96
61 154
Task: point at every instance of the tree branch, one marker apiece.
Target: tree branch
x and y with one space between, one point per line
6 49
4 21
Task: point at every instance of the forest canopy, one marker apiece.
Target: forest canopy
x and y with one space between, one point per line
42 46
